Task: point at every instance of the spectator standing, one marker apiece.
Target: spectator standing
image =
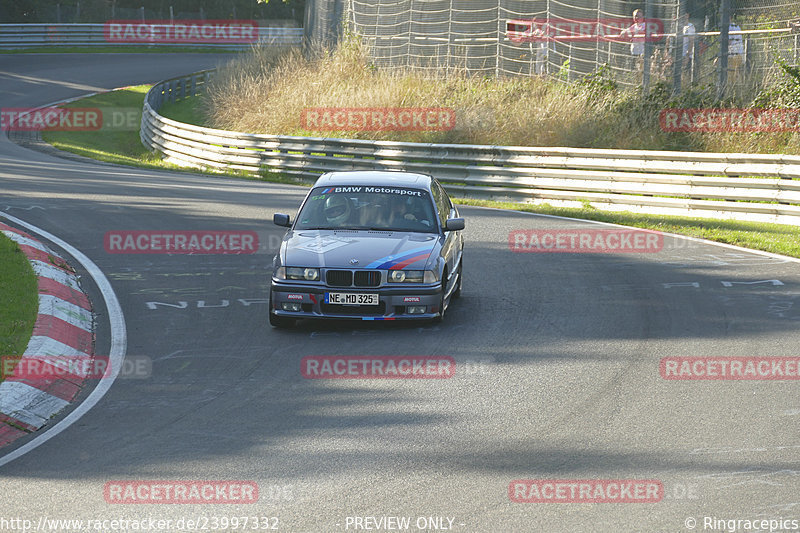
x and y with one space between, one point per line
689 33
636 32
735 50
543 44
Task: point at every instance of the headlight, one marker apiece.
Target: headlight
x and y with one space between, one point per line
306 274
411 276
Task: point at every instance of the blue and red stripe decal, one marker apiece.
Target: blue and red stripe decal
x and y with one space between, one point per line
401 261
328 190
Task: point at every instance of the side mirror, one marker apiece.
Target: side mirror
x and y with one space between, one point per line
279 219
454 224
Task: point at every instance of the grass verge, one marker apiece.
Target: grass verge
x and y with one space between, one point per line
119 144
124 147
189 111
20 302
267 91
110 144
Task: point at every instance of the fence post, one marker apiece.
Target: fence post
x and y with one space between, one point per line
377 21
677 53
597 43
722 65
498 50
410 36
648 46
450 62
569 63
531 63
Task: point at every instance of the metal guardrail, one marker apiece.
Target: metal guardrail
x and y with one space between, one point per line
757 187
14 36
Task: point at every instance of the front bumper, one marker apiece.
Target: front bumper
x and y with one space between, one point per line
394 302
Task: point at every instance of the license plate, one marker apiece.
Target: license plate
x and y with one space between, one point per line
351 298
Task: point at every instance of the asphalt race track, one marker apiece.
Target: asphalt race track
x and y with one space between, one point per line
557 365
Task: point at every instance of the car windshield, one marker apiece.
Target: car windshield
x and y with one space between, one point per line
368 208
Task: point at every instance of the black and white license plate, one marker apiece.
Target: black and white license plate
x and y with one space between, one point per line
351 298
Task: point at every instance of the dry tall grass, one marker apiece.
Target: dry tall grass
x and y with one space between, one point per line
266 92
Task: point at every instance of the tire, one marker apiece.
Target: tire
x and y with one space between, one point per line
457 292
440 318
276 321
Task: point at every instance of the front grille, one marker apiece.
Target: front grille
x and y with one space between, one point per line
339 278
355 310
367 278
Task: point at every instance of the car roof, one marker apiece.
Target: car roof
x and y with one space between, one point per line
375 177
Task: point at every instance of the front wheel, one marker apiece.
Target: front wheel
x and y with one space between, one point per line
457 292
438 319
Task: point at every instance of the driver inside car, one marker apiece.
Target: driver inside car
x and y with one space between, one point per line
337 210
399 212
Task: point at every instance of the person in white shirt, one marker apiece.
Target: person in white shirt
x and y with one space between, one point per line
636 32
689 33
542 45
735 51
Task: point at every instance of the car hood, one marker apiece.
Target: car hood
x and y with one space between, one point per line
372 249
